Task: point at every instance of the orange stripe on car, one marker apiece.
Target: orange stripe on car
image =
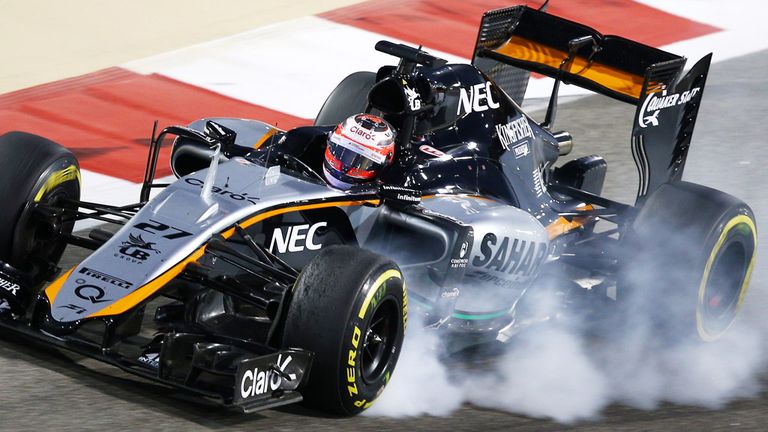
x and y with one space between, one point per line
144 292
262 140
563 225
147 290
53 289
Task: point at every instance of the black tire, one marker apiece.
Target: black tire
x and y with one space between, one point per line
35 169
348 98
689 255
343 300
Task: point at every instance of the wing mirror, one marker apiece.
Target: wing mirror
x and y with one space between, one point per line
220 134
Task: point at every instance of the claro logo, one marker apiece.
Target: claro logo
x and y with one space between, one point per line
256 382
295 238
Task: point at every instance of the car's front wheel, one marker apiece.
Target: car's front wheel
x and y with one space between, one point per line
35 171
349 307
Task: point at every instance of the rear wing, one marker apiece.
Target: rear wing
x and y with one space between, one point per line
536 41
516 41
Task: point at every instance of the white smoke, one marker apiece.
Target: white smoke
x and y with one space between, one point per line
546 374
422 384
554 371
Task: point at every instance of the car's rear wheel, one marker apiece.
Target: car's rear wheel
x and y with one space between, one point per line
348 98
35 170
349 307
688 259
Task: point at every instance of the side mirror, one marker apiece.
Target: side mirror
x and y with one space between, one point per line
221 134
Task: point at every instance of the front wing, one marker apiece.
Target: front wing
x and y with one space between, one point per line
215 368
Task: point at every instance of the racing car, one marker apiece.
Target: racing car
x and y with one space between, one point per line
251 281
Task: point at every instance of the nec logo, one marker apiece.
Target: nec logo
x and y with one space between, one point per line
295 238
477 98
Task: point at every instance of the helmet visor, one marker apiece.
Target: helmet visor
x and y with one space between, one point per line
355 159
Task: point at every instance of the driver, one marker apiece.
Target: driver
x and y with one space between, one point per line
358 150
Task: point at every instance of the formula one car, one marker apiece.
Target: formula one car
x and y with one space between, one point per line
251 281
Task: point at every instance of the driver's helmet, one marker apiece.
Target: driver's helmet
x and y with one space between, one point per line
358 150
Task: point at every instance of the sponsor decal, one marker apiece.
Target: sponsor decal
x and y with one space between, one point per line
654 104
411 198
106 278
521 150
488 278
92 293
433 151
155 227
355 130
150 359
15 295
461 262
295 238
258 382
538 182
477 98
452 294
136 249
223 191
400 193
513 132
351 359
510 256
78 309
414 99
9 286
365 151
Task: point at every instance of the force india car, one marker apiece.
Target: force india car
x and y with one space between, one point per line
250 281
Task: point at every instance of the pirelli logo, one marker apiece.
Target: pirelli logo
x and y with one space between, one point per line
106 278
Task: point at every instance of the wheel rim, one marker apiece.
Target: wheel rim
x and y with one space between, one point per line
727 281
379 340
39 240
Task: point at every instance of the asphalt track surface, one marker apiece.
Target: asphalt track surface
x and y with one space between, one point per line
43 389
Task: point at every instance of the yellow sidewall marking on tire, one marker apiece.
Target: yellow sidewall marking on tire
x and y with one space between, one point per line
375 288
389 274
62 176
734 222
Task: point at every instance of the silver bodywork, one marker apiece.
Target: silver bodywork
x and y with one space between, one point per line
509 245
239 191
